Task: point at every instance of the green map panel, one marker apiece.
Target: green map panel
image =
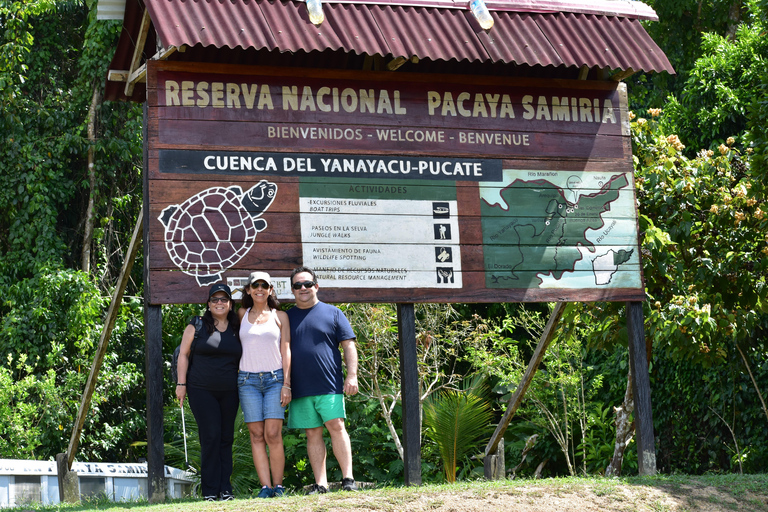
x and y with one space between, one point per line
564 229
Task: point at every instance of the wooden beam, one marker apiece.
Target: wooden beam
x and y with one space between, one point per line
622 75
409 383
533 365
109 324
118 75
138 50
641 389
139 75
395 63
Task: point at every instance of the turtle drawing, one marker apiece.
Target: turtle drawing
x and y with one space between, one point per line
212 230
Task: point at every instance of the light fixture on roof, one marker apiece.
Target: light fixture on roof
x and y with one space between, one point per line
481 13
315 8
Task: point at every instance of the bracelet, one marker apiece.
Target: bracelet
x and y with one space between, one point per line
287 387
180 384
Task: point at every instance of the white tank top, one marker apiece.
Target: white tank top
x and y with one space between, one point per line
261 345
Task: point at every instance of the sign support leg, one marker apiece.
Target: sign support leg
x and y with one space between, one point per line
153 335
153 360
409 376
517 398
641 388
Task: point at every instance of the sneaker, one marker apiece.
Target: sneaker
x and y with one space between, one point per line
318 489
278 491
226 496
348 484
209 498
265 492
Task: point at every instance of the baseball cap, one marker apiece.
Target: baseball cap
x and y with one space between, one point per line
259 276
220 287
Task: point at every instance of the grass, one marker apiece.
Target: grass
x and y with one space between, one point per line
658 493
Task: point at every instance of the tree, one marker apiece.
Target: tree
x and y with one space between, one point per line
52 55
440 335
721 87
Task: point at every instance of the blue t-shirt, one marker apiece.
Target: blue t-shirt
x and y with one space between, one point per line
316 334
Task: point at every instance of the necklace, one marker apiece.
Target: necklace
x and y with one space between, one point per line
260 318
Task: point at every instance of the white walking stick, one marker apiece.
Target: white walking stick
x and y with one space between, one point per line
184 428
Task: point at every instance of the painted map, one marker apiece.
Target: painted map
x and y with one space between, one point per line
560 229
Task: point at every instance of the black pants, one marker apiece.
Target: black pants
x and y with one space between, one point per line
215 413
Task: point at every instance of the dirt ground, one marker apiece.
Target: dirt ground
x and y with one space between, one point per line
554 496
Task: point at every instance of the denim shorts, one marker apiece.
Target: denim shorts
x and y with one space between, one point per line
260 395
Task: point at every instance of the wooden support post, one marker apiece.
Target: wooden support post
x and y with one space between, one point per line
493 465
517 397
65 491
153 362
69 486
409 382
153 327
641 388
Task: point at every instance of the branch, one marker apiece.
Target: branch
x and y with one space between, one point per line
754 383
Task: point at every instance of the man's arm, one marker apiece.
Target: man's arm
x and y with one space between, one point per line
350 360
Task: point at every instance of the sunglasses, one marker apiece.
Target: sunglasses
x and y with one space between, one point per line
260 284
214 300
303 284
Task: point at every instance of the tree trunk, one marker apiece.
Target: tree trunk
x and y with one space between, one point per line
625 429
734 19
387 413
85 259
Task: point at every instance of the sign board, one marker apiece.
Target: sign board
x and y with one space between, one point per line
393 187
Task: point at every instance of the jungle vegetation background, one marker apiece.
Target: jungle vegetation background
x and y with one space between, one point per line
700 145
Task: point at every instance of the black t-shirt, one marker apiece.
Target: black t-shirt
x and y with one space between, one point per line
215 360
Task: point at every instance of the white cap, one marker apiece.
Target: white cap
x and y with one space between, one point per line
259 276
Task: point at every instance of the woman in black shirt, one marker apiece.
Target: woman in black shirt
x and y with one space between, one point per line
208 375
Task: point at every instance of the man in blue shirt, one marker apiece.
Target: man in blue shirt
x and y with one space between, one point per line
318 384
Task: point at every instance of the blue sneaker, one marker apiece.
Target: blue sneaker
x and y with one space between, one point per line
265 492
278 491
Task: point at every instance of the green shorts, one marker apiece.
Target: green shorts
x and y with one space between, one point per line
314 411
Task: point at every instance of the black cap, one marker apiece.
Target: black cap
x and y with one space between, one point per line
220 287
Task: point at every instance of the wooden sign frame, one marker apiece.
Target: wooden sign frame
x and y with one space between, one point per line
393 187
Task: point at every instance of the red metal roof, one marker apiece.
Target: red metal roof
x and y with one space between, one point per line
545 39
575 38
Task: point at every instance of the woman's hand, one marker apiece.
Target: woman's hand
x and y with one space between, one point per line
181 392
285 395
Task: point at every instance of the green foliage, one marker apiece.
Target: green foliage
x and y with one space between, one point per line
49 325
19 430
720 88
704 246
375 455
458 422
692 439
52 317
679 31
441 335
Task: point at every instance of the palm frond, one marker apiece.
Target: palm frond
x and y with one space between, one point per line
458 422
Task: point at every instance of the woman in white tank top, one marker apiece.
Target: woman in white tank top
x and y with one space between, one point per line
264 380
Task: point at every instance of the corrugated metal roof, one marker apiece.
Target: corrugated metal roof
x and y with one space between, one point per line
114 9
548 39
231 30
